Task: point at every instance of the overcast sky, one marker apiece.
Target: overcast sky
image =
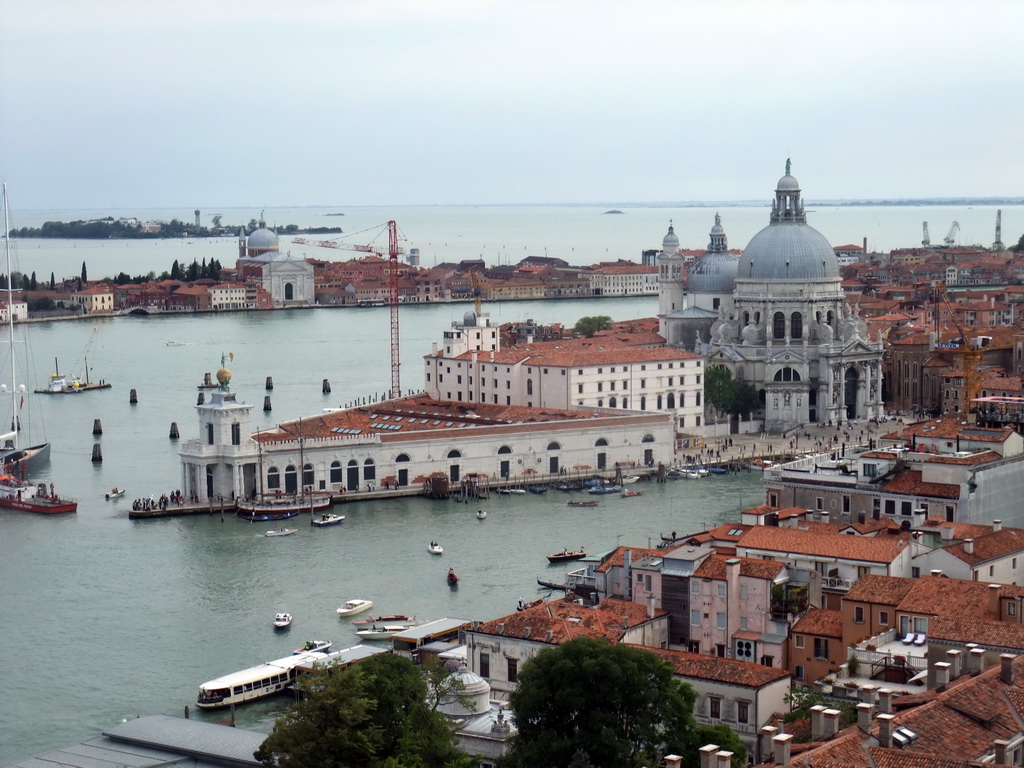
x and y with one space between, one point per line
345 102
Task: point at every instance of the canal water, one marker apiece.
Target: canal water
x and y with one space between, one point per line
106 618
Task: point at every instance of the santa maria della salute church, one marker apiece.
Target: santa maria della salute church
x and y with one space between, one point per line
776 317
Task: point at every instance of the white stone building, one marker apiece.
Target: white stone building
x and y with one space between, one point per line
288 279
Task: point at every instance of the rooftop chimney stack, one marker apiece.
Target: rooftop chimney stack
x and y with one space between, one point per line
993 599
997 525
864 716
765 736
941 674
831 722
867 693
673 761
947 533
818 722
956 663
1006 668
707 754
781 748
724 757
969 546
885 701
1002 752
936 572
885 728
976 661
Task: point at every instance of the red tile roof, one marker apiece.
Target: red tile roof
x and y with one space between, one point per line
567 620
909 483
988 547
733 671
617 558
821 622
714 567
840 546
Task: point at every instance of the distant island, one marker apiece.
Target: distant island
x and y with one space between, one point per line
612 211
110 228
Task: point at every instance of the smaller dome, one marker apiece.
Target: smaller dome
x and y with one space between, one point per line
788 183
713 272
469 319
670 239
262 239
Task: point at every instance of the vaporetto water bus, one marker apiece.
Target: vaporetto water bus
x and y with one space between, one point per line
256 682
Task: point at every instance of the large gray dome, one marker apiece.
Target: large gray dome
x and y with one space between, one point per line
713 272
788 251
262 239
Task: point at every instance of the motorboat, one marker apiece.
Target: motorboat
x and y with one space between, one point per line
389 618
630 480
280 507
28 497
313 646
566 554
453 580
114 493
511 491
326 519
718 470
568 486
480 514
538 489
599 489
381 631
353 607
590 503
282 620
281 532
435 548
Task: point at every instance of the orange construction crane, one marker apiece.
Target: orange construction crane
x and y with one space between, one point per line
970 355
393 253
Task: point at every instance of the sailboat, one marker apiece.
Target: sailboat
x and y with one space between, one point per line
280 506
12 456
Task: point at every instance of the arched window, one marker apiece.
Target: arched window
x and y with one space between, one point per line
611 402
647 439
273 479
353 463
787 374
600 442
529 386
554 447
779 326
643 402
746 318
291 479
796 326
369 470
335 472
307 476
504 449
402 457
659 402
670 400
454 454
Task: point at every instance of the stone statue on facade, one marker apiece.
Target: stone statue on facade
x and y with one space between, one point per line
717 327
752 333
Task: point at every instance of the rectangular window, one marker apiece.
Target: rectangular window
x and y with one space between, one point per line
819 503
742 712
906 508
743 623
890 506
485 665
694 618
694 587
209 433
883 618
236 434
743 591
720 620
798 672
798 641
858 614
870 470
915 572
579 389
820 648
513 670
721 590
716 708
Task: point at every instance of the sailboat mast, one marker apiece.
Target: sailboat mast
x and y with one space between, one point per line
10 318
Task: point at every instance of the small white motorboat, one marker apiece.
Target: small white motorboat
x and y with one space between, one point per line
326 519
480 514
353 607
282 620
381 631
115 493
313 646
282 532
387 618
435 548
630 480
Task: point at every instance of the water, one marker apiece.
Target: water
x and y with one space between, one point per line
106 617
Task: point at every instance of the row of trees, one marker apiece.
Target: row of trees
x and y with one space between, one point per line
111 229
584 703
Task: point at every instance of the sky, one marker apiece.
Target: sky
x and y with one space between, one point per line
167 103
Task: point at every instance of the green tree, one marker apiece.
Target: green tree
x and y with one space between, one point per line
53 282
85 274
591 702
375 714
719 387
588 326
215 221
175 271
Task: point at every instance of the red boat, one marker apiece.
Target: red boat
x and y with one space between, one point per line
452 578
27 497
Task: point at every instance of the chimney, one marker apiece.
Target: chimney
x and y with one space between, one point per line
673 761
817 722
724 757
1002 752
956 663
976 661
831 722
969 546
650 606
707 753
547 636
993 599
764 744
947 533
867 693
885 701
941 674
781 747
627 572
936 572
501 628
864 716
885 728
1006 668
997 525
526 632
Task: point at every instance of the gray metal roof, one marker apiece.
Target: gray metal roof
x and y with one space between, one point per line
788 251
157 740
713 272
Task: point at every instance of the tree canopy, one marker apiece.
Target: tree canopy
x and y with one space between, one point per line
727 395
591 702
588 326
375 714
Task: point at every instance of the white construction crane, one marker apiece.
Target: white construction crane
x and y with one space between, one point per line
950 238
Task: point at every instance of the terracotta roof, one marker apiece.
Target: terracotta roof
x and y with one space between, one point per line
880 590
909 483
714 567
971 629
821 622
838 545
988 547
617 558
982 457
949 429
567 620
733 671
942 596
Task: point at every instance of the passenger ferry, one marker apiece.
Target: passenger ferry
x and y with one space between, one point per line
256 682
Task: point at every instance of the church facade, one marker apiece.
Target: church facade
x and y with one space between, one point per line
781 322
288 280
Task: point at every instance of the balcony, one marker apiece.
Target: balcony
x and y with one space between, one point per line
836 582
